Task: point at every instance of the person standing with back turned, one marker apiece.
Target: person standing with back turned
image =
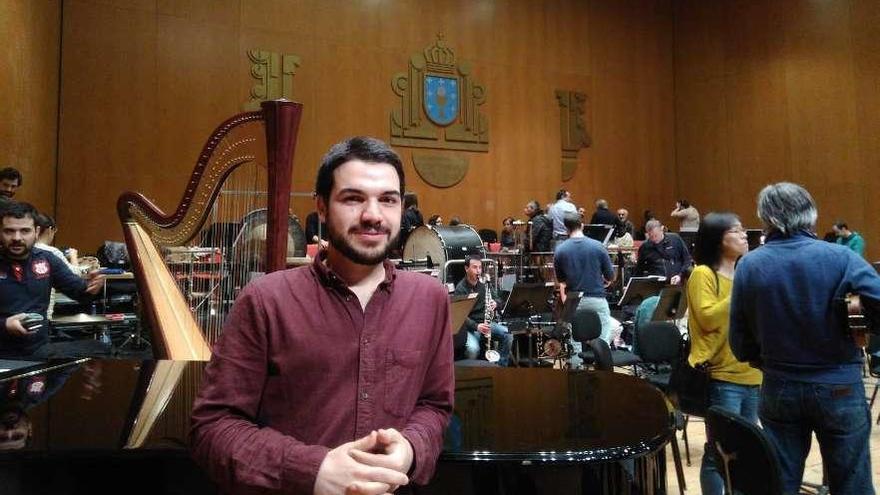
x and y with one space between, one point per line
787 317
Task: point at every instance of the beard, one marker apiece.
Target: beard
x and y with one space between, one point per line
21 254
359 256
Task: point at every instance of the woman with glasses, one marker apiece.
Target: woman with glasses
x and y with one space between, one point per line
734 385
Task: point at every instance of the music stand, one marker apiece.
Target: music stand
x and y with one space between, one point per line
672 304
599 232
641 288
459 309
526 300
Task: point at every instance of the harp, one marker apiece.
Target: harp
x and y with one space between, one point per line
231 224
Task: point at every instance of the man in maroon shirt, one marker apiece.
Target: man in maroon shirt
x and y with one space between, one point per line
336 377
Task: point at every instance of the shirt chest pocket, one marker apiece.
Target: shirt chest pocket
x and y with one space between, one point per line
403 380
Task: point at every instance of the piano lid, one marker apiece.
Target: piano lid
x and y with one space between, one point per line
516 414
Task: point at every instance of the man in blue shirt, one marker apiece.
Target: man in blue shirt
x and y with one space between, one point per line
787 317
557 212
582 264
27 275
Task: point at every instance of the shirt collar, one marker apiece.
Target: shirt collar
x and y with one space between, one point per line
776 235
330 279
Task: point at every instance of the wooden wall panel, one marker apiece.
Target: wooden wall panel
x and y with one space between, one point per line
145 82
769 91
31 32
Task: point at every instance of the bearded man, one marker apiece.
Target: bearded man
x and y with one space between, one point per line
336 377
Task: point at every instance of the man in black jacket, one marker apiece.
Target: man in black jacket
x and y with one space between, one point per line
540 231
602 215
663 254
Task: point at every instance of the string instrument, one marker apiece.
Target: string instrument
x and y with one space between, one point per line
857 324
236 207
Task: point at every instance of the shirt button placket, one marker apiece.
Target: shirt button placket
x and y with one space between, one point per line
366 402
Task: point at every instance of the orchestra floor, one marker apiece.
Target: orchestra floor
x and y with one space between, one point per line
813 472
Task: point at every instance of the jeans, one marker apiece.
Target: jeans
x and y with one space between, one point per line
500 337
600 306
738 399
838 414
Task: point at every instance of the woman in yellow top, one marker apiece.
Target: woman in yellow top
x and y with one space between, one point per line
734 385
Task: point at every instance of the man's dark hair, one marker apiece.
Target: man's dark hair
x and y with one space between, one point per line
684 203
561 194
572 221
11 174
44 221
710 236
367 149
410 199
17 209
840 224
471 258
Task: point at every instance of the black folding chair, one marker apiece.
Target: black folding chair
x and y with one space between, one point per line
586 327
748 460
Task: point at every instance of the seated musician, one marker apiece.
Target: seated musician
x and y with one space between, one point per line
27 275
475 327
663 254
582 264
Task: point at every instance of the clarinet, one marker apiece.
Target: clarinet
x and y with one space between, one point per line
491 354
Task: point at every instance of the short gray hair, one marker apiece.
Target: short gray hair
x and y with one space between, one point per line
601 203
787 208
652 224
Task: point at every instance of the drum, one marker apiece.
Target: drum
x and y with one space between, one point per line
441 244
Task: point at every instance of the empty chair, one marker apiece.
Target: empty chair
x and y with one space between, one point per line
748 459
585 328
659 344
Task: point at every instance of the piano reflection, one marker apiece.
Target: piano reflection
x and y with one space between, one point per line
90 426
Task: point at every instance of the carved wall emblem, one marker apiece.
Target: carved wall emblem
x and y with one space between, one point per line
274 74
573 131
439 103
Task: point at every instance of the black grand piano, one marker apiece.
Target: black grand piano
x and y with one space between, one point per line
100 426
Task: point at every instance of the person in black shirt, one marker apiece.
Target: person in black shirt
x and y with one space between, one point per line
540 231
663 254
316 230
412 217
602 215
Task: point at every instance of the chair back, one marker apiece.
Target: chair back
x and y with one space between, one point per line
747 459
602 355
586 325
488 235
659 342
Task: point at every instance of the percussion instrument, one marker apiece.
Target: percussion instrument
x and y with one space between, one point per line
445 247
